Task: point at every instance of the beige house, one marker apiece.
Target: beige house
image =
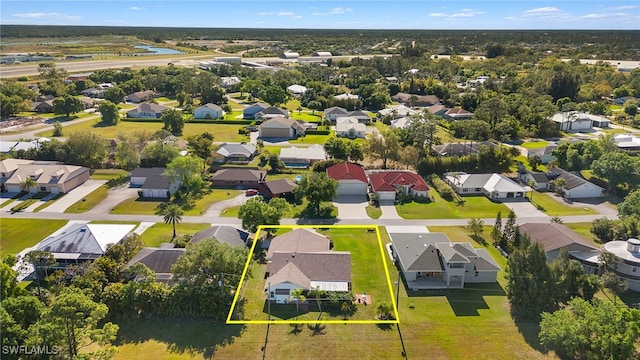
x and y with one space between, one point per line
50 176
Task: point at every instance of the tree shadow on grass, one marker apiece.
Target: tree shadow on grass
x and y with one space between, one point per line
285 311
530 330
308 212
181 336
467 301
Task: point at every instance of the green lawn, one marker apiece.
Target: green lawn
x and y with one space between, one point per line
471 207
584 229
89 201
107 174
534 144
374 212
551 207
294 211
19 234
161 233
216 195
137 206
312 139
222 132
304 116
48 202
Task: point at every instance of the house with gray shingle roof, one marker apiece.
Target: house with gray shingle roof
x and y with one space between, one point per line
153 182
223 233
576 186
237 153
431 261
158 260
208 111
493 186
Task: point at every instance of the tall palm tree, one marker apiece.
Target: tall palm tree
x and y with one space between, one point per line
27 184
172 215
296 294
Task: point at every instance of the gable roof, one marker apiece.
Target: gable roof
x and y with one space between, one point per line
233 174
573 181
449 149
304 268
9 165
347 171
145 172
489 182
224 234
298 241
158 260
277 187
209 106
359 114
252 109
313 152
45 172
148 108
234 149
278 122
336 110
554 236
272 110
85 240
458 112
387 180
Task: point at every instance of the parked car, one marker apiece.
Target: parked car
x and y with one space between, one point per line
251 192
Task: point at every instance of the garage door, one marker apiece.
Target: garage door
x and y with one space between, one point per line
583 193
387 195
352 189
54 190
14 188
277 133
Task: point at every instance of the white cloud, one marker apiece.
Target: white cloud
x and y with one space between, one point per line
340 10
467 13
437 14
319 14
266 13
53 16
134 8
541 11
623 7
297 17
594 16
285 13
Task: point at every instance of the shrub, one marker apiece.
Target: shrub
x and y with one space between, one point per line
442 187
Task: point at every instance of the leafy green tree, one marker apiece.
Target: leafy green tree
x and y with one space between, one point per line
67 105
275 163
496 232
87 149
189 171
25 310
201 145
12 333
616 167
603 229
595 330
535 161
115 94
630 205
158 154
385 147
109 112
173 120
273 95
256 212
213 95
631 108
385 310
42 262
8 284
337 148
29 183
297 296
127 154
509 231
57 129
356 152
529 281
11 105
74 322
475 225
172 214
316 187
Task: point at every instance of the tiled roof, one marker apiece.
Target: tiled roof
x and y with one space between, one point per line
385 181
347 171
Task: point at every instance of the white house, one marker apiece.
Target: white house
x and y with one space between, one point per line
397 111
493 186
50 176
208 111
351 178
350 127
431 261
539 180
297 90
147 110
628 260
335 112
572 121
627 142
295 157
576 187
280 127
153 182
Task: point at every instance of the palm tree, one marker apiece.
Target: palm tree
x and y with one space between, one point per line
531 184
27 184
297 295
559 184
172 215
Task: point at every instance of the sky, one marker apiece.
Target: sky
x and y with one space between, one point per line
380 14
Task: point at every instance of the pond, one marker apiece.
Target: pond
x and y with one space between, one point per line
158 50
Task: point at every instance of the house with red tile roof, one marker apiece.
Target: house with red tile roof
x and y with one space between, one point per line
388 184
351 178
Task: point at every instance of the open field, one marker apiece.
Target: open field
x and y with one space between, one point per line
19 234
471 207
551 207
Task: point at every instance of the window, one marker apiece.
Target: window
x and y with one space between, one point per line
282 291
634 269
43 188
476 274
456 265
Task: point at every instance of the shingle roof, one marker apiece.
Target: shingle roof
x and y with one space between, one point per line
347 171
554 236
313 152
145 172
45 172
225 234
335 110
303 267
573 181
279 122
211 106
158 260
231 149
298 240
237 174
90 239
278 187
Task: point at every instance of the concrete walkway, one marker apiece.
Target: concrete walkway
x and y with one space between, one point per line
217 208
39 202
389 211
74 196
351 207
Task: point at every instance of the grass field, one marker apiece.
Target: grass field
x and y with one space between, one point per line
137 206
374 212
551 207
214 196
534 144
222 132
294 211
107 174
19 234
161 233
89 201
584 229
312 139
471 207
473 323
48 202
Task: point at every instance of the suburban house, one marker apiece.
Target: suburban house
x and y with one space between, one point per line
224 234
351 178
241 178
297 90
50 176
277 188
493 186
460 149
295 157
401 123
627 142
147 110
94 93
627 254
208 111
346 96
159 260
7 147
554 237
335 112
350 127
141 96
302 259
321 53
83 242
623 99
431 261
416 100
237 153
539 180
153 182
281 127
572 121
545 153
576 186
362 116
251 111
458 114
43 106
397 111
438 110
387 184
271 112
227 81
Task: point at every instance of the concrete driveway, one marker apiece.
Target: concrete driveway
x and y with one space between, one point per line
114 197
523 208
351 207
216 208
74 195
388 210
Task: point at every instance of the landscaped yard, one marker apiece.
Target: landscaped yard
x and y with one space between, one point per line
89 201
215 195
222 132
295 211
107 174
312 139
471 207
374 212
161 233
534 144
19 234
137 206
551 207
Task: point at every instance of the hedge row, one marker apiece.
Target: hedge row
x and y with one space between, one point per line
198 121
318 132
442 187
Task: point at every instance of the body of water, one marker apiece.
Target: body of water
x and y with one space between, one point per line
159 50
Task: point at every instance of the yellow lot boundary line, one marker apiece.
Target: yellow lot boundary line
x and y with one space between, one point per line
292 227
